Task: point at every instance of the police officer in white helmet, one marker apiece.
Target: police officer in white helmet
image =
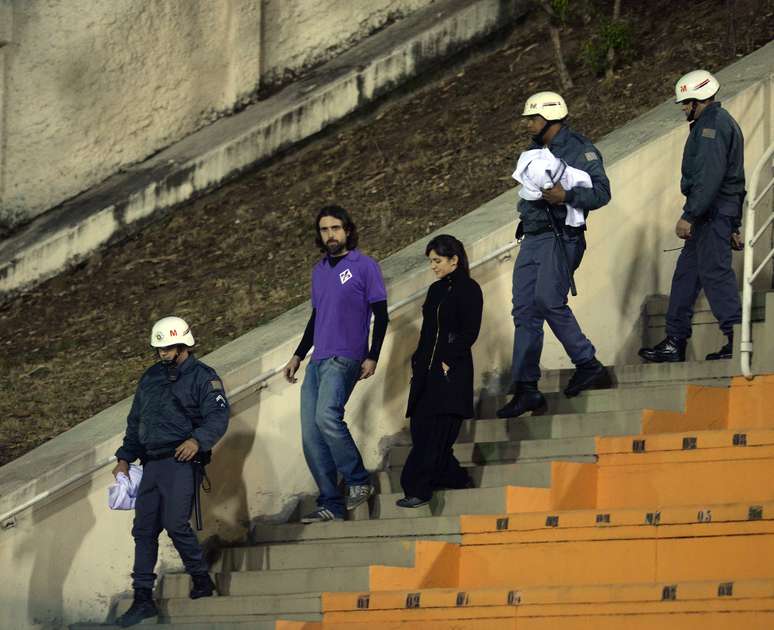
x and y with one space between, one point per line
178 413
713 183
543 271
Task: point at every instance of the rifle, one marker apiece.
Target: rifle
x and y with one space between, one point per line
557 235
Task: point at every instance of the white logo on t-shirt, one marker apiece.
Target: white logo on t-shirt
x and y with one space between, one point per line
345 275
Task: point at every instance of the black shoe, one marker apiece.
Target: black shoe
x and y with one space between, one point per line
670 350
726 352
585 376
142 608
527 398
203 586
411 502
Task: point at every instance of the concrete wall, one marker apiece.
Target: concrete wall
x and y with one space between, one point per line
299 33
58 552
118 206
87 88
93 86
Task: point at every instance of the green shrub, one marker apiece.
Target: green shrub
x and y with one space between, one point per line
616 35
561 8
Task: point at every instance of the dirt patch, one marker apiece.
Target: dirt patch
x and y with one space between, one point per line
240 256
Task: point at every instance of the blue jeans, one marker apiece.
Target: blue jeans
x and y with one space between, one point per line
540 287
328 446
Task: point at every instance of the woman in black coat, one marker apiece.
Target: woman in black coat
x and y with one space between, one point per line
441 394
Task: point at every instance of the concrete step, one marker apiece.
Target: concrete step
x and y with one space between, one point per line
688 616
313 555
573 608
732 475
669 396
260 607
254 624
705 338
545 427
706 335
713 440
597 524
704 551
547 595
484 453
445 528
534 474
275 582
445 503
658 304
530 474
645 374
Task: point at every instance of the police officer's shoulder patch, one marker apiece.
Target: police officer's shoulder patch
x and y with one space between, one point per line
708 133
591 156
216 384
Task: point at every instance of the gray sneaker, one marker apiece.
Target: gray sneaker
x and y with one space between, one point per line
356 495
320 515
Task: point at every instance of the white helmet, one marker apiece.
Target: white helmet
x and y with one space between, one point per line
697 85
549 105
170 331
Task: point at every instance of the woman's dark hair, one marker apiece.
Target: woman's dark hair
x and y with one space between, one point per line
337 212
448 246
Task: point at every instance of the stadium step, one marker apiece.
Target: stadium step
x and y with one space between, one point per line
669 396
483 453
605 606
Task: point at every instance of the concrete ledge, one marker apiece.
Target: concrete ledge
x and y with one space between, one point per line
70 232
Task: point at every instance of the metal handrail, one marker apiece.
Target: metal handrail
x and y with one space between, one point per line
258 383
751 237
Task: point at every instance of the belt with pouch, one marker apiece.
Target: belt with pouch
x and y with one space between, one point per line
569 230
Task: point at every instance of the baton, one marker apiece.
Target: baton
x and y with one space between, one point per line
555 229
197 496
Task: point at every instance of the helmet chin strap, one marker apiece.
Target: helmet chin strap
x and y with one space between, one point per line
692 114
171 364
538 138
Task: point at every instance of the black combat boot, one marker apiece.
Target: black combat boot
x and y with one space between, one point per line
203 586
527 398
726 352
142 608
586 375
670 350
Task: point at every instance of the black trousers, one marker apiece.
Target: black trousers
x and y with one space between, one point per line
431 464
164 501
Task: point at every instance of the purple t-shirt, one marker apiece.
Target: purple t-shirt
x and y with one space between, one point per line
343 296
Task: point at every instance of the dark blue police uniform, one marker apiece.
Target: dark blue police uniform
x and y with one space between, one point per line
164 414
714 187
540 278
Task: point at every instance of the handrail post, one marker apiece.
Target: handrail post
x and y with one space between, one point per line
746 344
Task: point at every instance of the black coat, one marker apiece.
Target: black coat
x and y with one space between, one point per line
165 413
451 320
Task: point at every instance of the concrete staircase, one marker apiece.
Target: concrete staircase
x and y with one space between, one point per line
646 503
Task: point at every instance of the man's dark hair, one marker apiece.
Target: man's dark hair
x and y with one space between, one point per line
337 212
448 246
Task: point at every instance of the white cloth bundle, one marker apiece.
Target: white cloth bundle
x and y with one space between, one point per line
531 174
123 493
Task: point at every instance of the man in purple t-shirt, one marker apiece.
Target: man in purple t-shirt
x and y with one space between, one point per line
347 287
